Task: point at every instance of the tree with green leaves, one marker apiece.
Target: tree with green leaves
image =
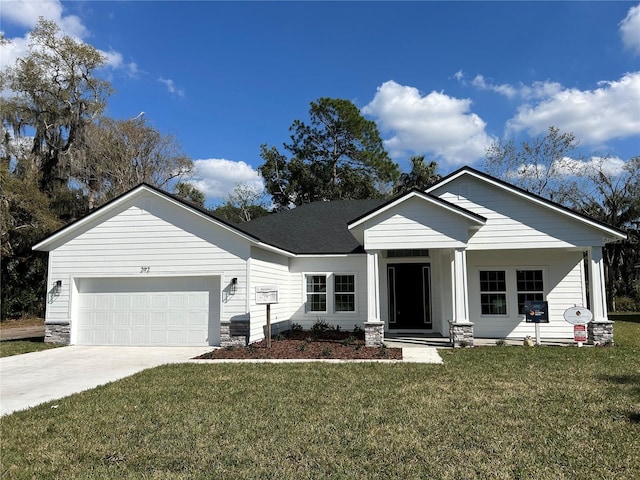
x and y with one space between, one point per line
244 204
337 155
190 193
52 94
421 176
614 198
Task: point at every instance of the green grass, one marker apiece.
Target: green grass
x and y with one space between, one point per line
18 347
490 413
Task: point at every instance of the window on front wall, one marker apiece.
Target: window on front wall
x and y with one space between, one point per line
493 292
530 287
316 293
344 290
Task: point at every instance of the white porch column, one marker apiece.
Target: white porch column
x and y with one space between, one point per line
373 327
597 292
460 328
373 287
460 292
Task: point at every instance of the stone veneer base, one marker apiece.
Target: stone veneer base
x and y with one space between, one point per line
461 334
600 333
373 334
57 333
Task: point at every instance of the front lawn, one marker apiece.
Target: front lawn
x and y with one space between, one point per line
490 412
18 347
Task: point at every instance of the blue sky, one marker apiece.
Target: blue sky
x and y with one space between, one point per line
440 79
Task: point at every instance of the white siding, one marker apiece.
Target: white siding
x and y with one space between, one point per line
353 264
268 268
149 237
416 224
563 282
512 221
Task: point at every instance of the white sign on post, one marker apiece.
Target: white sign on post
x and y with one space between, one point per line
578 315
266 295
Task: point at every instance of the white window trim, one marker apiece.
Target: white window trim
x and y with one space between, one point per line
544 284
307 311
330 310
506 292
355 293
512 287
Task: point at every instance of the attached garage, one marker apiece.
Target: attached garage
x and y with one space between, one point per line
166 311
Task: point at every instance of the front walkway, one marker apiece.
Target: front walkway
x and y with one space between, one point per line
398 340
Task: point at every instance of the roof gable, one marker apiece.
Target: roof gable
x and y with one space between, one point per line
120 203
528 197
427 198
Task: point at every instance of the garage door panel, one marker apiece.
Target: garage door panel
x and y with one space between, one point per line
139 319
157 311
103 302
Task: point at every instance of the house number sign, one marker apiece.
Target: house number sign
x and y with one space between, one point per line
145 269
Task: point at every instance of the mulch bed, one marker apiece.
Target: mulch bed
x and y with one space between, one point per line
307 345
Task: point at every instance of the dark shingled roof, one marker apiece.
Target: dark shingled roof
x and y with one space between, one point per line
314 228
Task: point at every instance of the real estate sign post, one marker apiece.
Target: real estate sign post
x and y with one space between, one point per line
578 317
536 312
266 295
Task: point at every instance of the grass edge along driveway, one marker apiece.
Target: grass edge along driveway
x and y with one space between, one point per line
492 412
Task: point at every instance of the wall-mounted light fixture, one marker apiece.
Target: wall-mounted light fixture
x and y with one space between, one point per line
234 285
57 287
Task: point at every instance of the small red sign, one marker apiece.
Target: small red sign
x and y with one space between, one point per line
580 333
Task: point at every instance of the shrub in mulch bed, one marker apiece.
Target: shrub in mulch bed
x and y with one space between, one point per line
300 344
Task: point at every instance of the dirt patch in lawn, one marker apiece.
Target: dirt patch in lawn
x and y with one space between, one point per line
307 345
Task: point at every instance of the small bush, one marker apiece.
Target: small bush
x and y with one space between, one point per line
296 327
302 347
326 352
358 330
350 340
321 326
501 343
627 304
383 351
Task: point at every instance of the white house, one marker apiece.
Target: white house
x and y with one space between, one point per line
459 259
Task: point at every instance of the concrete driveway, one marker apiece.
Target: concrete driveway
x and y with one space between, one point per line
33 378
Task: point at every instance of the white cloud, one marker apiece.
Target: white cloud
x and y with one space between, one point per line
171 86
612 166
26 14
216 177
630 30
434 124
537 90
594 116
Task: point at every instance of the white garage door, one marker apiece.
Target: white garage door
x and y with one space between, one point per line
149 311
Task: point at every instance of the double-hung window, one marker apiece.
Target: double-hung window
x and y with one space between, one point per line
344 293
316 293
493 292
530 287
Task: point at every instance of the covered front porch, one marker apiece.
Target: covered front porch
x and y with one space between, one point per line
439 296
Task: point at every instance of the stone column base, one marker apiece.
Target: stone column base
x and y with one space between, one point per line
234 334
461 334
600 333
373 334
57 333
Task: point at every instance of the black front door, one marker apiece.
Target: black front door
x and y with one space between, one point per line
409 296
